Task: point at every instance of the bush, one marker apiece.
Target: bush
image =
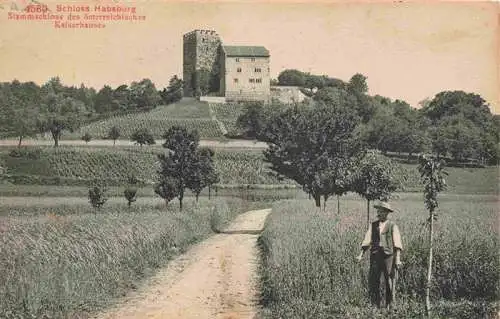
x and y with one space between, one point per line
86 137
130 195
97 195
143 137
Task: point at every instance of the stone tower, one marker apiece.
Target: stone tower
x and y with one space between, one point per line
201 60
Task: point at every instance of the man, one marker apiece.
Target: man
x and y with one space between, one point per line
383 239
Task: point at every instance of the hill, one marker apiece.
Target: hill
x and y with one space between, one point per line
188 113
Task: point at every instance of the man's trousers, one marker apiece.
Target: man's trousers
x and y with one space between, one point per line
381 265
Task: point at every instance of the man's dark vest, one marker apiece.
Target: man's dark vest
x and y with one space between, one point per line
382 240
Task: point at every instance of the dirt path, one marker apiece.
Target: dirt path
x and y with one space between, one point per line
216 279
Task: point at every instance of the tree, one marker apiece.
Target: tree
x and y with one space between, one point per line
60 113
20 119
448 103
174 91
178 167
203 172
143 95
457 136
432 173
114 134
314 81
104 100
97 194
358 84
86 137
130 191
121 98
292 77
374 179
143 137
316 147
167 188
251 120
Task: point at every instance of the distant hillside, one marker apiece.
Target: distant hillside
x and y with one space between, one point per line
79 165
189 113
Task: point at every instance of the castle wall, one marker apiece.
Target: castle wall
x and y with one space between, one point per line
200 52
247 78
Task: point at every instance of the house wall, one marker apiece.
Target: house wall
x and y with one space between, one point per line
243 81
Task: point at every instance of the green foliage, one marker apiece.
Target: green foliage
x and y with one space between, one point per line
358 84
374 178
252 120
463 126
203 172
60 113
143 95
114 134
180 165
167 188
130 194
86 137
432 173
448 103
292 77
315 147
308 269
143 137
174 91
97 194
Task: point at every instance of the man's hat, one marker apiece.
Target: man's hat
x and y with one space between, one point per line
384 205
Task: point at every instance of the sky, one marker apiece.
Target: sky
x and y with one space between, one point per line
407 50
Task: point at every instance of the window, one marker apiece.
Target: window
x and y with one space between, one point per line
258 70
253 60
237 59
238 70
235 80
251 80
258 80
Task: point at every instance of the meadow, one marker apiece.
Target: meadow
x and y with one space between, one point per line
308 267
67 260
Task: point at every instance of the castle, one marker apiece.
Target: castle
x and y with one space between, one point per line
237 73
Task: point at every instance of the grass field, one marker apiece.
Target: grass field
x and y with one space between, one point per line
65 260
309 270
188 113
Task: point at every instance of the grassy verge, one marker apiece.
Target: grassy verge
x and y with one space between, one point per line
308 267
67 261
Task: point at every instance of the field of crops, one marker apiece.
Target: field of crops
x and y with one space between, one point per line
117 164
189 113
78 165
227 114
309 268
67 261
